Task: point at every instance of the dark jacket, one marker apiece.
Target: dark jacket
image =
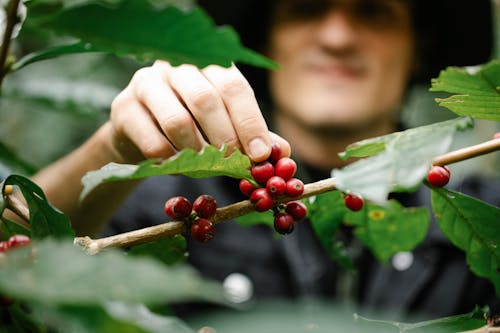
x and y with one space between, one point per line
437 282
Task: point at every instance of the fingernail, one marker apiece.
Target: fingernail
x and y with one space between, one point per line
258 149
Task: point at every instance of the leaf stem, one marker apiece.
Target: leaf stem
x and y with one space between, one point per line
12 20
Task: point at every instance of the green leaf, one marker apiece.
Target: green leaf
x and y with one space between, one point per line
325 213
471 225
146 32
9 228
255 218
59 273
478 90
457 323
402 165
209 162
387 230
170 250
45 219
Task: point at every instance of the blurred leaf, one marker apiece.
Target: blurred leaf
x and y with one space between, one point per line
471 225
209 162
478 90
9 228
145 319
45 220
402 165
14 163
458 323
170 250
326 214
387 230
141 30
21 321
59 273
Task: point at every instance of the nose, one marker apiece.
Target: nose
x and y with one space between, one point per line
337 29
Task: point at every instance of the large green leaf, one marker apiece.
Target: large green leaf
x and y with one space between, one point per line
451 324
402 165
59 273
209 162
45 219
148 32
387 230
169 250
478 90
326 213
471 225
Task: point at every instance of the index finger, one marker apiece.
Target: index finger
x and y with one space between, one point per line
243 109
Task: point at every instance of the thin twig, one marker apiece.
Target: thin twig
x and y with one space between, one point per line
12 20
468 152
244 207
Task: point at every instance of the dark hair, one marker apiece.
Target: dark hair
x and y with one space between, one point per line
449 33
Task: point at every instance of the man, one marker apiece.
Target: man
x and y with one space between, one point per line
345 69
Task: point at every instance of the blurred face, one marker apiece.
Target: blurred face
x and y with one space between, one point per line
344 63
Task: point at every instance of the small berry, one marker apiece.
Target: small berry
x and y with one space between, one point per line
283 223
276 186
294 187
262 200
205 206
275 153
285 168
8 189
354 202
261 172
19 240
297 209
246 187
438 176
202 230
178 207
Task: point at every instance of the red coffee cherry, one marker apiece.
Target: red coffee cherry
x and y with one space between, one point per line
262 200
261 172
438 176
246 187
178 207
276 186
202 230
297 209
284 223
275 153
354 202
18 240
294 187
285 168
205 206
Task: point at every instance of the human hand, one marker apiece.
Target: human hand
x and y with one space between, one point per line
165 109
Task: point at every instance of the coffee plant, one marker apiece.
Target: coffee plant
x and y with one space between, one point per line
52 281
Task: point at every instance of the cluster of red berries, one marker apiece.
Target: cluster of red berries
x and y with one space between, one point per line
198 214
438 176
14 242
275 179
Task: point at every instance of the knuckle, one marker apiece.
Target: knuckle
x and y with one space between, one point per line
234 87
204 99
178 123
